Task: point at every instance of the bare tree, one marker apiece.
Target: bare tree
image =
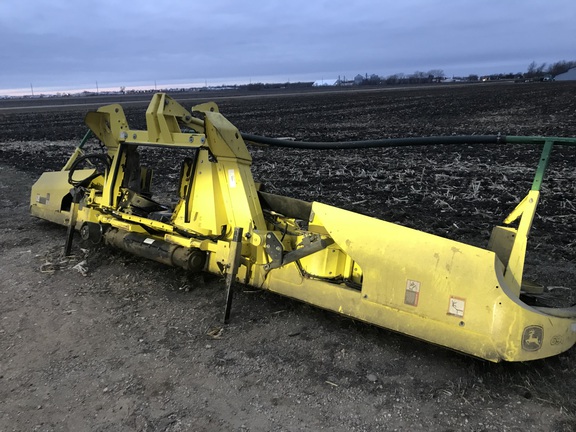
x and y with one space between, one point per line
535 70
532 67
436 73
560 67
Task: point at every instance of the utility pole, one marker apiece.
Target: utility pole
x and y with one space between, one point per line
32 89
97 90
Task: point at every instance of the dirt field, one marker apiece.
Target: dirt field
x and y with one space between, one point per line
109 342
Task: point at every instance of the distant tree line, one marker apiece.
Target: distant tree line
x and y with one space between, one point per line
418 77
271 86
535 72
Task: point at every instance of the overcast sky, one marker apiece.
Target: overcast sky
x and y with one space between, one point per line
65 44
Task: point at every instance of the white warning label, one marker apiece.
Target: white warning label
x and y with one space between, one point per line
412 292
231 178
456 306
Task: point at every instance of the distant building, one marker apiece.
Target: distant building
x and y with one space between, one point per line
323 82
567 76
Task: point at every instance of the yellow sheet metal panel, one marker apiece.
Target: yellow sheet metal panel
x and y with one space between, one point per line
328 263
515 268
50 196
111 190
429 287
108 124
206 211
501 242
400 259
524 333
501 329
225 139
239 195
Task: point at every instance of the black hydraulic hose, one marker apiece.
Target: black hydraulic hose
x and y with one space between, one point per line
102 157
388 142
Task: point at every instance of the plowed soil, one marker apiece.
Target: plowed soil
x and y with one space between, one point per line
109 342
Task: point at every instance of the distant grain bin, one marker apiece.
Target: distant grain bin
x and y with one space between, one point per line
570 75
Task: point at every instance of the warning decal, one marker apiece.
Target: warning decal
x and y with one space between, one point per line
412 292
456 306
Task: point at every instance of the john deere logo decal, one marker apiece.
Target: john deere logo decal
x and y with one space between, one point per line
532 338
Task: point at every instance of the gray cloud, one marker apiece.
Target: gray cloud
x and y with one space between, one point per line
65 43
